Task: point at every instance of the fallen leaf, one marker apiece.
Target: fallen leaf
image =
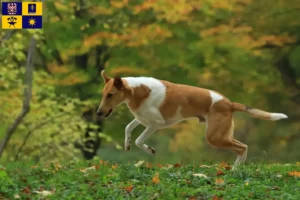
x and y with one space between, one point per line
294 173
138 164
103 162
219 181
225 165
129 188
177 165
192 198
278 175
276 188
168 166
205 166
200 175
216 198
148 165
57 166
87 169
155 178
26 190
17 196
91 183
159 165
43 193
220 173
114 166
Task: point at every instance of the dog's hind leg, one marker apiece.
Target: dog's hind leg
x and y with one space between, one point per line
140 140
219 134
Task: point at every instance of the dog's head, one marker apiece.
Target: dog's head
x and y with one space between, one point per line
113 94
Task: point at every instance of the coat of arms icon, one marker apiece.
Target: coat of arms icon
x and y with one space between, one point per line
12 8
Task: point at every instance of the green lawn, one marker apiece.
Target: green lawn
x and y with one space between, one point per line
103 180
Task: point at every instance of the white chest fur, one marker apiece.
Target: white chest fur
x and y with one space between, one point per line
148 113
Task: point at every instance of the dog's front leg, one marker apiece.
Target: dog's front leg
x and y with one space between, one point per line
128 131
140 140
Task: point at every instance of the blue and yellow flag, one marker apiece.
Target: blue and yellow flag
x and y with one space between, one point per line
22 15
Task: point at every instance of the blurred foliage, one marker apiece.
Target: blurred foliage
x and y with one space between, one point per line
236 47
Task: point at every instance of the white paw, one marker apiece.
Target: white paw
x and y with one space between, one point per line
127 143
151 150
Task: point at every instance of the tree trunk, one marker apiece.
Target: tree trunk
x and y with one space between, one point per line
26 97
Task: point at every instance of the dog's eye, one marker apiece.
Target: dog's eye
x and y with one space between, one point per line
109 95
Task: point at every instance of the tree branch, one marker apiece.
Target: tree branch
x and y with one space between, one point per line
7 36
26 97
32 130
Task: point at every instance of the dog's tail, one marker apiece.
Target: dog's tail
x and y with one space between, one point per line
258 113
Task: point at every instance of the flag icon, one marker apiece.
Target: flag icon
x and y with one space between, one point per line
21 15
31 8
11 8
11 22
32 22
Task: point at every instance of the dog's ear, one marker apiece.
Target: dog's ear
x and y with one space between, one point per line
118 83
105 78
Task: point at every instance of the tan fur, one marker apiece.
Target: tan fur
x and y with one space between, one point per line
137 96
252 111
194 101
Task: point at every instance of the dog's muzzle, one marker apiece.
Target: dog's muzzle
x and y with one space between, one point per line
102 114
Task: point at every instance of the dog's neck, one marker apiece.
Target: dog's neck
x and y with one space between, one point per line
135 96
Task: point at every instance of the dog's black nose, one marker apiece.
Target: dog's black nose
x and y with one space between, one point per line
100 113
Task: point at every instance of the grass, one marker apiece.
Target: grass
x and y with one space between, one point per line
104 180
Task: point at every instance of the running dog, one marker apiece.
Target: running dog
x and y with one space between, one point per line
157 104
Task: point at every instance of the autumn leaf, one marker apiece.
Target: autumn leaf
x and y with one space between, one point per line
114 166
278 175
85 170
140 163
168 166
101 162
155 178
205 166
225 165
177 165
219 181
129 188
148 165
200 175
43 193
220 173
159 165
26 190
294 173
57 166
216 198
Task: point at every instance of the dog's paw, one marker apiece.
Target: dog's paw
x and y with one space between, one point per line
127 144
151 150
